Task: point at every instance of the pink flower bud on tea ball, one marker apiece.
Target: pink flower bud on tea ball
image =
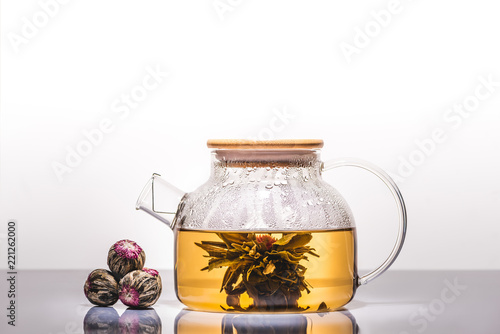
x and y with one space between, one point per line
140 288
101 288
125 256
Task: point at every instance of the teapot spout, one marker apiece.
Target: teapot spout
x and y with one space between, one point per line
160 199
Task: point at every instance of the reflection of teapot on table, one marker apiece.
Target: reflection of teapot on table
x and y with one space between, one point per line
265 233
192 322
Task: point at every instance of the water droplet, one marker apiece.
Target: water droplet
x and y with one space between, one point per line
284 182
277 183
269 186
310 202
321 199
268 168
251 179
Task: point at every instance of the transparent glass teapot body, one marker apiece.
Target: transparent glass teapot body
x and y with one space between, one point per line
265 233
269 190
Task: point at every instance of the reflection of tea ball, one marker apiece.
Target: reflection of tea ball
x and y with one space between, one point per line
140 288
140 321
101 288
125 256
101 320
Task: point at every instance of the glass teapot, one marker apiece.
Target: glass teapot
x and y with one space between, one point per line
265 233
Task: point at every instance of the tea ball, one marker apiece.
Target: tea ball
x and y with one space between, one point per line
101 320
140 321
101 288
140 288
125 256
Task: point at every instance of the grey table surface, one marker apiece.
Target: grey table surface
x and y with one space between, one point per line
401 302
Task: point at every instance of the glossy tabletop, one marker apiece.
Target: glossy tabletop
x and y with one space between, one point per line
401 302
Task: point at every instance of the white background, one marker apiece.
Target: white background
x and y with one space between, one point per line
229 74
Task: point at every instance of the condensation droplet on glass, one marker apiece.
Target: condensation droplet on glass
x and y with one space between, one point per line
269 186
284 182
310 202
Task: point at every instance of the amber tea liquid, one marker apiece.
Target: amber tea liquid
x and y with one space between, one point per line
331 276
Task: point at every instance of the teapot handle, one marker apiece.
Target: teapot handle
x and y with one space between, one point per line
389 182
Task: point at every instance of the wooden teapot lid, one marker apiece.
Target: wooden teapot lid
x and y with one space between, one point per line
280 144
